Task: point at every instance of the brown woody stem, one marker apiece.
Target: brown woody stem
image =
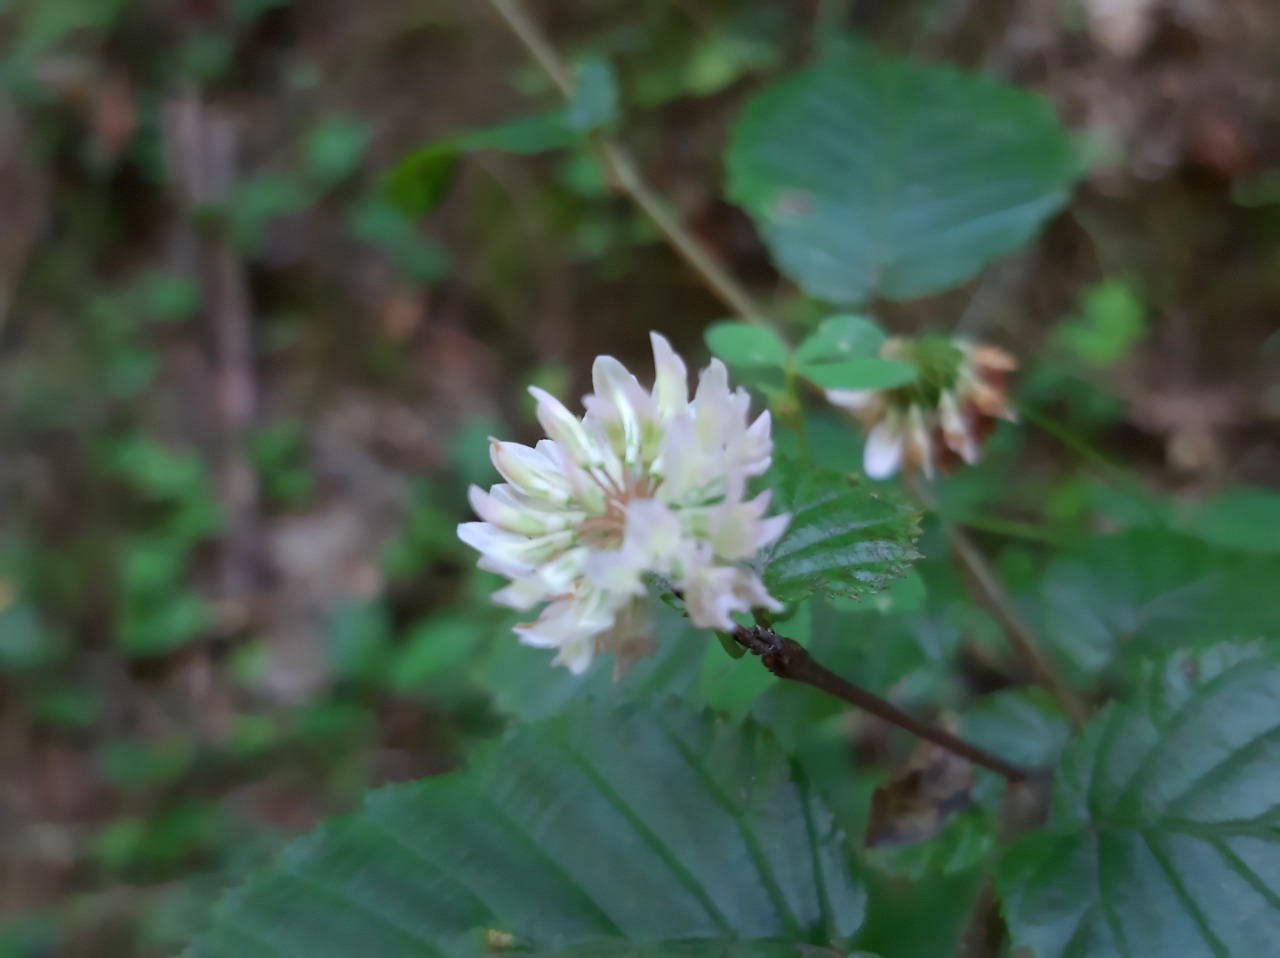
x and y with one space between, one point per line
624 172
788 659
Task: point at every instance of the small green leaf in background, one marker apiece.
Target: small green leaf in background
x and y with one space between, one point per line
380 223
1245 519
1112 320
841 338
1164 836
434 653
335 148
639 830
357 638
167 298
860 374
256 202
25 643
419 182
745 346
843 539
595 95
870 176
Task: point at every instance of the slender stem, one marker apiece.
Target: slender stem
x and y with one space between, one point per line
788 659
1018 633
997 602
625 172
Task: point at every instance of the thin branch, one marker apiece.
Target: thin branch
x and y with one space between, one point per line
625 173
998 603
788 659
993 597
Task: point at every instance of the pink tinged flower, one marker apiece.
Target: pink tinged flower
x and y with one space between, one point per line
647 484
940 420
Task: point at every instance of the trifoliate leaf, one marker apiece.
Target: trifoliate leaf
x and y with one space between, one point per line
841 338
633 830
746 346
860 374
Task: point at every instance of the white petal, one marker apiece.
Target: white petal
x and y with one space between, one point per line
562 425
512 548
671 379
530 471
883 453
955 429
856 400
919 444
576 656
523 593
714 593
509 514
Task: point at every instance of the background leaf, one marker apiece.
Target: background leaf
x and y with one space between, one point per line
1165 838
844 539
870 176
596 828
1151 590
861 374
595 95
746 346
840 338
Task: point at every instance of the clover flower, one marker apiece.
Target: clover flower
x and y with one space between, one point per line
647 485
941 418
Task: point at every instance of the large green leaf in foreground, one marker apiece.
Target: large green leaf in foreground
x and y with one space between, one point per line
871 176
844 538
619 831
1165 839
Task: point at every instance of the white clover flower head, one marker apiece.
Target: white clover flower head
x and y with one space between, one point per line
941 418
646 485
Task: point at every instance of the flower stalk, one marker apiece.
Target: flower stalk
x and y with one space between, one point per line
788 659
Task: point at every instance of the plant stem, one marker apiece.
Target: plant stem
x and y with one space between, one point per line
1019 635
994 598
788 659
625 173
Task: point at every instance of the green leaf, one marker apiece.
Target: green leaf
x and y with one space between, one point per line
595 95
335 148
25 643
1111 321
860 374
419 182
1246 519
841 338
870 176
632 830
1164 838
1023 726
843 540
1151 590
746 346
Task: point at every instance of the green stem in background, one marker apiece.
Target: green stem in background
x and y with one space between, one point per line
791 410
788 659
992 595
623 170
